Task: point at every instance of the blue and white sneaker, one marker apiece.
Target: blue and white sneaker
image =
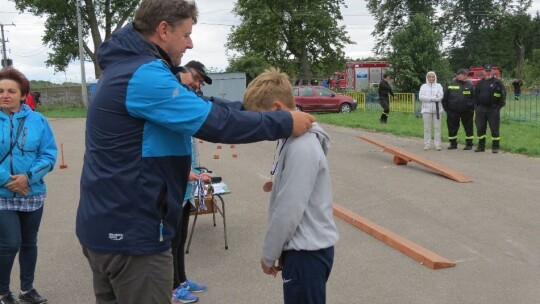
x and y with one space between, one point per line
182 295
195 287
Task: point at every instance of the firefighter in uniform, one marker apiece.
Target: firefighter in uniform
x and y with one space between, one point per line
458 104
489 98
384 90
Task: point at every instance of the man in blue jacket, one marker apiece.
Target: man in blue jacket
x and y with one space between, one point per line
138 151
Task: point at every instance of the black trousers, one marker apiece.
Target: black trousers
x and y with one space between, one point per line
178 247
452 121
383 101
485 116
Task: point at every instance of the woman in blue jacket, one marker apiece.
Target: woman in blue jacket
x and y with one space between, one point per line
27 154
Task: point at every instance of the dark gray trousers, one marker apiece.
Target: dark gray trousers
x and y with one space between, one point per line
131 279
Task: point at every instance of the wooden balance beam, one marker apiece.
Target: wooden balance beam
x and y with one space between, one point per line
402 157
422 255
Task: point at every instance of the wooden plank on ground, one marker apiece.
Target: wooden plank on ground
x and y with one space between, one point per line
402 157
416 252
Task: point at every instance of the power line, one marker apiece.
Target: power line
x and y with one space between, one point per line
4 52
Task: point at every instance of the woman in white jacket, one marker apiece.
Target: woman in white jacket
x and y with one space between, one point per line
431 94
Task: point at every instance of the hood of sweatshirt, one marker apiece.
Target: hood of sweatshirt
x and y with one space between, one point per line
322 136
431 72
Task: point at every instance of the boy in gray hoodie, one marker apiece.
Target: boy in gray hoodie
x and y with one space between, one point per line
301 230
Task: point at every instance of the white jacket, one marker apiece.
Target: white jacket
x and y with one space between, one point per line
431 93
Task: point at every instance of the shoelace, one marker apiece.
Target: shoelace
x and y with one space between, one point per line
180 292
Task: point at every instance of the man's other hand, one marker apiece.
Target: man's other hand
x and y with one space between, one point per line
301 122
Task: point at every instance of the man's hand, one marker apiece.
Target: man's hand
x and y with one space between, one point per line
301 122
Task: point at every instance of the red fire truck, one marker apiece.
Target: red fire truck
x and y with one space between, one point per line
359 75
476 73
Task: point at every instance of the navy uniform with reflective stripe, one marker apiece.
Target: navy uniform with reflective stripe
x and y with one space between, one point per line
489 98
458 104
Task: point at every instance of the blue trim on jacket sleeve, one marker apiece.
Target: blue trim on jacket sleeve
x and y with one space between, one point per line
172 112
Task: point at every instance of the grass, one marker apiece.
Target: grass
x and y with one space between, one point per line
516 137
63 111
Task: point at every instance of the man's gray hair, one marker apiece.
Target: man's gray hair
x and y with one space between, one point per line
152 12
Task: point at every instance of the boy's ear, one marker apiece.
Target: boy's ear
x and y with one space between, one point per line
279 105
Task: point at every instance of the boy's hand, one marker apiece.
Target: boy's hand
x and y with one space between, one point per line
301 122
269 270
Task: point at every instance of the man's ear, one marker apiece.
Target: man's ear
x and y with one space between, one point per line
163 29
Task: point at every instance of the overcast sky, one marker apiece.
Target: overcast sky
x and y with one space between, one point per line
29 54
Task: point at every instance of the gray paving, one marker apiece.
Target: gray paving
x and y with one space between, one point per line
489 227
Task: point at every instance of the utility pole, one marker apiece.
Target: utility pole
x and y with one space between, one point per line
4 52
81 55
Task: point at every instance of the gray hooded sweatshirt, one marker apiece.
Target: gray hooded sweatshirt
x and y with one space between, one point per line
300 214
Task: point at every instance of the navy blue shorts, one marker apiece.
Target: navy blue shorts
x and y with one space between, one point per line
305 274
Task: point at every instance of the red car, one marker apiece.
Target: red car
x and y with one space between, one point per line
321 99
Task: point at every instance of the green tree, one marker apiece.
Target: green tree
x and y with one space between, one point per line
415 51
393 15
297 36
251 64
99 18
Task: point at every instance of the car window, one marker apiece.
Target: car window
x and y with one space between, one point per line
295 92
307 92
480 74
323 92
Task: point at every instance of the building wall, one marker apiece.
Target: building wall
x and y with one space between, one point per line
229 86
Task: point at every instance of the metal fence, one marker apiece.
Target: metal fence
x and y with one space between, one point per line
526 108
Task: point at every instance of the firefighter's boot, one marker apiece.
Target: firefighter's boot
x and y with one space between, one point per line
495 146
453 144
468 145
481 145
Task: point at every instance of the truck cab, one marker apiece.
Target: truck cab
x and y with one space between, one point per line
476 73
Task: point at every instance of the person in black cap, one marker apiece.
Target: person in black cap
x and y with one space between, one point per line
489 98
458 104
199 76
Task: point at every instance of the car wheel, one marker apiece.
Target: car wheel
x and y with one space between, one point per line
298 108
345 108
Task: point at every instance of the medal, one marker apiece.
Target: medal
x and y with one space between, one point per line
267 187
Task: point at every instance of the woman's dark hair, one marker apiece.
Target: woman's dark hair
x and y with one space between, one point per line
15 75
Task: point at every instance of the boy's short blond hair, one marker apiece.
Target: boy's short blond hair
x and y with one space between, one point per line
268 87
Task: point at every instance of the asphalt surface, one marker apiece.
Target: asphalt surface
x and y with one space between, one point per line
489 227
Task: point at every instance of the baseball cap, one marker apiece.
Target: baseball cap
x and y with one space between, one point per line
199 67
488 67
461 71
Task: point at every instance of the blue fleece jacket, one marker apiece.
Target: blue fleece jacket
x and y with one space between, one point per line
34 151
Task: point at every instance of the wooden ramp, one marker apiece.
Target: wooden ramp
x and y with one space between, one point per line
422 255
402 157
